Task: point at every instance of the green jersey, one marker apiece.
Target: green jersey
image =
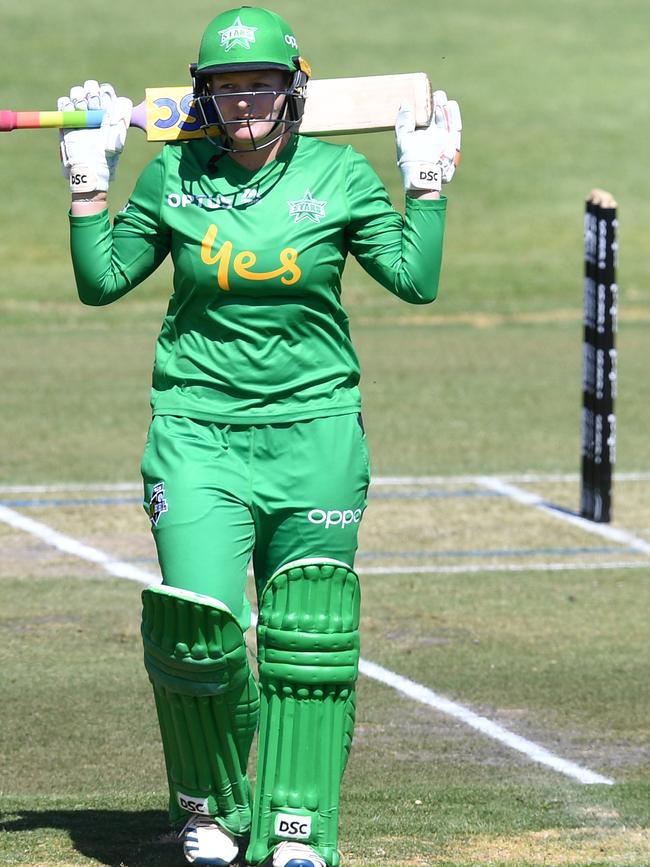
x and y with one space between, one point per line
255 332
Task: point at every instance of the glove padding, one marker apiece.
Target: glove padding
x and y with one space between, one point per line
90 156
427 158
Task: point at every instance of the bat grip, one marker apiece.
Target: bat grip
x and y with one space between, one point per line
10 120
92 119
7 121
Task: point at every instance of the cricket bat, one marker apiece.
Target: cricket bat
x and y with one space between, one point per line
334 106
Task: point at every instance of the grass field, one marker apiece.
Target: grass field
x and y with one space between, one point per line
518 733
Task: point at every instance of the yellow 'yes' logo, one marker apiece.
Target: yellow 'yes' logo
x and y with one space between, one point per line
223 258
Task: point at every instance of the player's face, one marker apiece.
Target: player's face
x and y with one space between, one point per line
249 103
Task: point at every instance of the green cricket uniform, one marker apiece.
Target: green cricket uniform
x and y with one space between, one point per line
256 448
255 341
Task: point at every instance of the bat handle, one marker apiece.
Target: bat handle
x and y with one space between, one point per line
139 115
10 120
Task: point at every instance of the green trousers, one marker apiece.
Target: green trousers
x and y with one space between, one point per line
221 495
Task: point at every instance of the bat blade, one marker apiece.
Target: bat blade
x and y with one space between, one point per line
340 106
334 106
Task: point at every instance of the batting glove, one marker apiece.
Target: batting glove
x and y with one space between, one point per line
427 158
90 156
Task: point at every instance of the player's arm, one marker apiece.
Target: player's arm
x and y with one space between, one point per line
108 261
404 254
111 259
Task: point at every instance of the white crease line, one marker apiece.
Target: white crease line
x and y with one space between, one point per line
511 477
403 685
527 498
506 567
380 481
78 549
69 486
531 750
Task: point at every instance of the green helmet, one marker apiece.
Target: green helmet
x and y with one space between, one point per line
248 38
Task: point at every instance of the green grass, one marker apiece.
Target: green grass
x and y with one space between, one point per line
496 399
487 380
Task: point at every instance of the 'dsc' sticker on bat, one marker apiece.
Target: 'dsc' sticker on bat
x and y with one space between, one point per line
170 114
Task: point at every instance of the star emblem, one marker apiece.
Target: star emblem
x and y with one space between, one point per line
307 208
157 503
237 34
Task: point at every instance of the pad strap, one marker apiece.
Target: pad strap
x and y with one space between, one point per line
308 654
207 703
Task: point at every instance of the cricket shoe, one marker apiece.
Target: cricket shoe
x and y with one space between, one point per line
206 842
296 855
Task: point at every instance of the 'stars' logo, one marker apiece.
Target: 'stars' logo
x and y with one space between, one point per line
237 34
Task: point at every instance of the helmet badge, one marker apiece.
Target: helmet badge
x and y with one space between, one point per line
237 34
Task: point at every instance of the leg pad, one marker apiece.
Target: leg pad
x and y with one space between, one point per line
207 704
308 653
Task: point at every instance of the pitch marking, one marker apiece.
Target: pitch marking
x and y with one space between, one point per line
72 546
526 498
531 750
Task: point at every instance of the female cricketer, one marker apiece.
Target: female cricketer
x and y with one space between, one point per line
256 450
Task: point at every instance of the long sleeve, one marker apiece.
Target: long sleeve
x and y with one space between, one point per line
403 253
109 261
